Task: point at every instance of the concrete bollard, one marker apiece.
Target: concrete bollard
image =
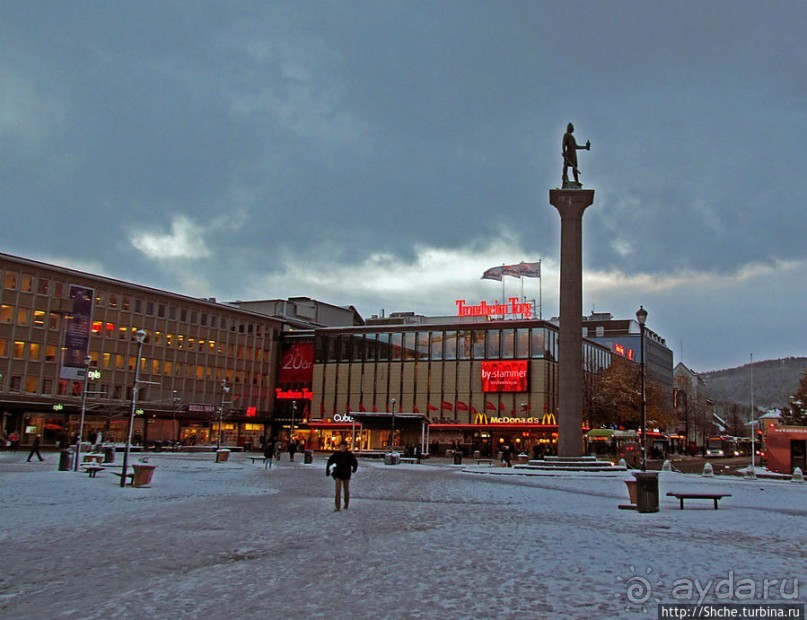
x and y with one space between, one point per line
622 463
750 474
666 466
798 476
708 471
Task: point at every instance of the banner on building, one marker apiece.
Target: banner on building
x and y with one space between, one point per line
297 363
77 330
505 376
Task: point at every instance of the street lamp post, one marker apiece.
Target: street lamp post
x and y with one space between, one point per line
176 400
224 391
641 316
141 336
293 416
87 361
392 435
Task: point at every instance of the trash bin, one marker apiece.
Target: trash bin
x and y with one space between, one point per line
392 458
477 454
523 459
66 460
142 475
457 457
222 455
646 491
109 454
309 457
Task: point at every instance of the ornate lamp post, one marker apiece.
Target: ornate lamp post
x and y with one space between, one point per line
141 336
641 316
87 361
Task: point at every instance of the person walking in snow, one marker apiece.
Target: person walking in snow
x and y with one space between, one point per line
35 449
344 464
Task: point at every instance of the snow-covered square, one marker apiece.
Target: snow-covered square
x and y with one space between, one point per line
434 540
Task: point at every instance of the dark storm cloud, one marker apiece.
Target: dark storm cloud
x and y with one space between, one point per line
244 139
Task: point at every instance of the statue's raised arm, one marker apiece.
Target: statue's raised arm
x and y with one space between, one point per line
570 149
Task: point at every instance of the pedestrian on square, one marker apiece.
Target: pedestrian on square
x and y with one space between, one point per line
278 449
506 455
14 440
35 449
292 449
344 464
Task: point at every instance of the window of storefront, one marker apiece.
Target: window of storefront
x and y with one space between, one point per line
422 345
479 344
450 345
464 339
522 343
396 345
508 344
492 349
538 343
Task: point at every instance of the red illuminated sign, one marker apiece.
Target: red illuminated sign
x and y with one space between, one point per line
509 376
512 307
620 349
252 412
297 364
304 394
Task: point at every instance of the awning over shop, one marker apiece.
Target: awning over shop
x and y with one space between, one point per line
494 427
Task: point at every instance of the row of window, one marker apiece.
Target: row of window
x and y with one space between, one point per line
437 345
26 283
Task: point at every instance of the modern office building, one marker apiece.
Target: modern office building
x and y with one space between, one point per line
480 384
204 362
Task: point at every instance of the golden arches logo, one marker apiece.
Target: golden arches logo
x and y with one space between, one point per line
481 418
549 418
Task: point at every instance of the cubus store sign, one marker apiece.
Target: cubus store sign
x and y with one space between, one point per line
509 376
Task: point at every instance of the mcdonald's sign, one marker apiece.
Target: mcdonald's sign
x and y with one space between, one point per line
481 418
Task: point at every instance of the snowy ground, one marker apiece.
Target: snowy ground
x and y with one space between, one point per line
233 540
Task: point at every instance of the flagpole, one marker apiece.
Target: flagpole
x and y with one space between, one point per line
540 291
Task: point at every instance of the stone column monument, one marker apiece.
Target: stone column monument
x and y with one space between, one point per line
571 202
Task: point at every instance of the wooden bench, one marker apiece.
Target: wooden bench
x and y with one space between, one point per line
484 461
267 461
713 496
409 459
92 470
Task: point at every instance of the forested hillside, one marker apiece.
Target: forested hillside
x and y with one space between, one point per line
774 381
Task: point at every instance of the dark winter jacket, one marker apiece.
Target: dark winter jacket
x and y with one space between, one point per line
343 463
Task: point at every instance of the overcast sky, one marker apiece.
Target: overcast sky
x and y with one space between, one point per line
384 154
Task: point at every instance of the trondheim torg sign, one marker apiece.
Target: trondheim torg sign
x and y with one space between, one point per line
512 307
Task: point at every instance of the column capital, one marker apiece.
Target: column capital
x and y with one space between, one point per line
571 203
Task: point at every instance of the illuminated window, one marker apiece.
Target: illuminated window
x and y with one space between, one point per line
191 343
27 284
180 341
3 348
39 318
127 302
167 368
96 327
155 367
119 362
32 385
158 338
107 360
110 330
34 351
123 333
19 349
23 316
54 320
169 340
113 300
50 353
11 281
6 312
99 298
